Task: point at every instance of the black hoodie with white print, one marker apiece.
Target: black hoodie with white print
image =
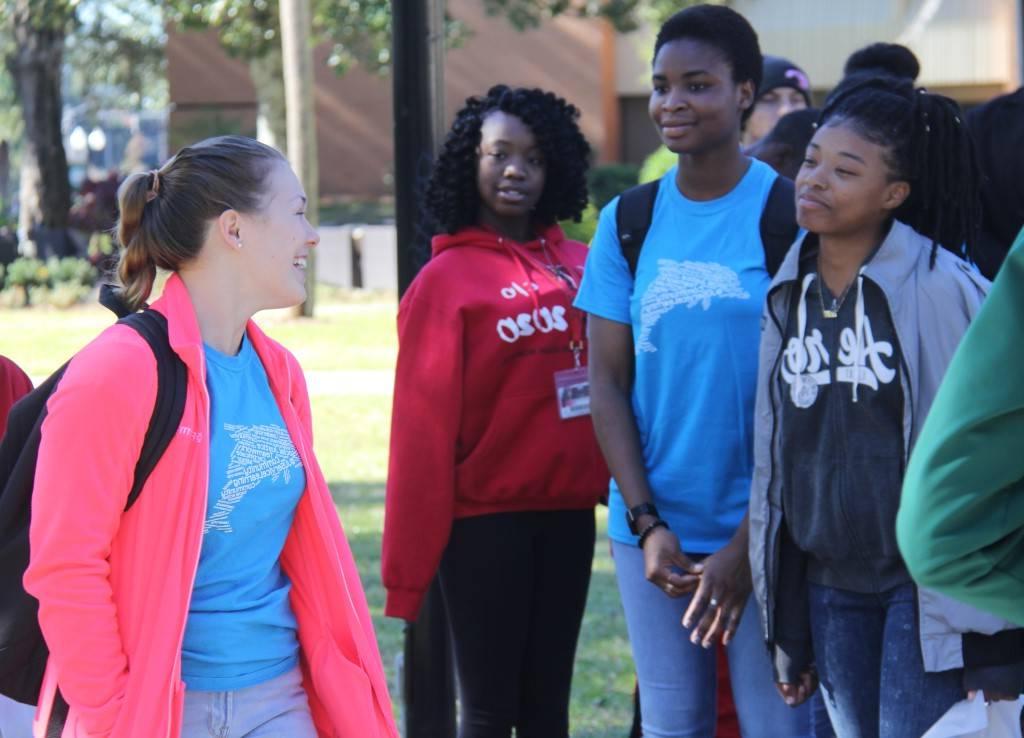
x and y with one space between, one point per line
842 432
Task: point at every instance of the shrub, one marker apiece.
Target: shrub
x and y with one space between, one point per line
657 164
608 180
63 295
58 282
71 269
584 230
26 272
13 297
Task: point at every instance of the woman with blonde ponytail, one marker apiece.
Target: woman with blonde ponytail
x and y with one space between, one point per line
226 601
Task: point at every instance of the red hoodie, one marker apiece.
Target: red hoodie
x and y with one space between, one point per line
475 425
14 384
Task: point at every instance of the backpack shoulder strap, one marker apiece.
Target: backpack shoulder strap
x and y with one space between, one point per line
172 378
778 223
633 216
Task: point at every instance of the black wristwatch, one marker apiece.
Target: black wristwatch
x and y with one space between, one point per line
634 513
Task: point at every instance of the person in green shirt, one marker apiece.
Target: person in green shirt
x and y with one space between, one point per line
960 525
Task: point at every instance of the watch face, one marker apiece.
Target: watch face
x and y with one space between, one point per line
633 513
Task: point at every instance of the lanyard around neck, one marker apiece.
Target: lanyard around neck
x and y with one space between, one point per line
560 276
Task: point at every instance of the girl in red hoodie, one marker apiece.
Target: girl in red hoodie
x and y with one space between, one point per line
494 470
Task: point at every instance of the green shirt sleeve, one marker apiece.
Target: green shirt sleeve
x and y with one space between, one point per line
961 521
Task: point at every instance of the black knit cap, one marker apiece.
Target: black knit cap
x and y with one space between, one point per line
779 72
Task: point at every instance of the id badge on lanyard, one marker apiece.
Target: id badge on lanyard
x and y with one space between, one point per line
572 387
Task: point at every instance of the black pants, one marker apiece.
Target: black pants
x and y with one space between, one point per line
515 585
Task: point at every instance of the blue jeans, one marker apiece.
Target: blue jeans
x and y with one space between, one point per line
678 679
868 652
275 708
15 719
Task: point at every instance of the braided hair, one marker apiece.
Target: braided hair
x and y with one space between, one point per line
927 146
452 199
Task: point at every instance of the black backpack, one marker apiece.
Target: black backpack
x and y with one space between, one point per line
23 652
778 221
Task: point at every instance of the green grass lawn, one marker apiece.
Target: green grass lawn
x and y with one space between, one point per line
354 331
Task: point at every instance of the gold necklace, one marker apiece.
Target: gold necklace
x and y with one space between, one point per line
837 305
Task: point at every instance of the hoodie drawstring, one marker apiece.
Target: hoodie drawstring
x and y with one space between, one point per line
521 263
858 321
858 332
801 311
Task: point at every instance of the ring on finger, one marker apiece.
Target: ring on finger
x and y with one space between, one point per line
713 602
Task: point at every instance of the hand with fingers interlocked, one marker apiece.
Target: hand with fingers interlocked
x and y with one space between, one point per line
667 567
721 596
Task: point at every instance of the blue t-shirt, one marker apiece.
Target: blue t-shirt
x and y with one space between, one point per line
695 311
241 629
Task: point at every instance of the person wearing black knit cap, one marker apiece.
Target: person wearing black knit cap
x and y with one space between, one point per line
784 88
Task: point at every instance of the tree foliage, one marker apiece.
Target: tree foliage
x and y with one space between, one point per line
359 31
115 55
624 15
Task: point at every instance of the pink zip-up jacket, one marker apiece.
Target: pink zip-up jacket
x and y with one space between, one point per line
114 586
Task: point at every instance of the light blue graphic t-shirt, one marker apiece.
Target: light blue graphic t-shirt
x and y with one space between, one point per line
241 629
695 310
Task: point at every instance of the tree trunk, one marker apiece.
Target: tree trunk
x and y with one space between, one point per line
5 177
35 66
267 74
296 26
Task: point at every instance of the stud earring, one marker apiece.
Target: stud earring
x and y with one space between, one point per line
239 244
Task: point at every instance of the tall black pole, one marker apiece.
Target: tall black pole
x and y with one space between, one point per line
428 690
417 63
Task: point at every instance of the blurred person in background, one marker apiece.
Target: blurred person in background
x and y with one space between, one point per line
15 718
997 128
784 89
784 148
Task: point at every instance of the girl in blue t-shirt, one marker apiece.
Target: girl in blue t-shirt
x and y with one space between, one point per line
673 364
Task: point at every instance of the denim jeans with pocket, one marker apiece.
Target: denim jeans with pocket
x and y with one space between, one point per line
273 709
868 651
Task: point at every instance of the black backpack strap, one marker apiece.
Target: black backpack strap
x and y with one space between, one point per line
58 716
112 299
633 216
778 223
172 380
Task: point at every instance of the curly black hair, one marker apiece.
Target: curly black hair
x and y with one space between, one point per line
452 198
927 145
724 29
